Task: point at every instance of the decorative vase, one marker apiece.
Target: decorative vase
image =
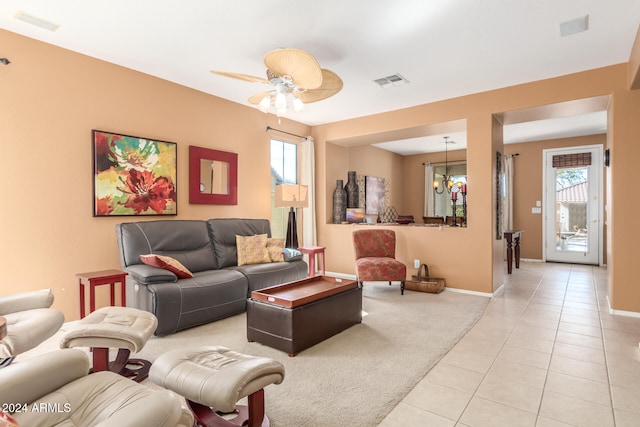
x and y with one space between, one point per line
353 191
339 203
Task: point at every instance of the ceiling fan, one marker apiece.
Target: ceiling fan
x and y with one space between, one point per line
291 73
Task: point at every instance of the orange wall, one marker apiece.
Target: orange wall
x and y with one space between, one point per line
624 135
471 258
634 64
372 161
51 100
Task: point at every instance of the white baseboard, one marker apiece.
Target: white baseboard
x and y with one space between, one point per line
340 275
481 294
621 312
461 291
531 260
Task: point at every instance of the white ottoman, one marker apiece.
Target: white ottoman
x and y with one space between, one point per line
214 378
124 328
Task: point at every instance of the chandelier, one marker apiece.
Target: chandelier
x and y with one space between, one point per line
447 181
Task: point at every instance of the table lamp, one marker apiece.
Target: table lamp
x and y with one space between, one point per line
291 196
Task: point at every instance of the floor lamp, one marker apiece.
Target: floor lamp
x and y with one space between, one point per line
291 196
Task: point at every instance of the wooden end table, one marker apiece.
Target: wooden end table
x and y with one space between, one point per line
312 251
97 278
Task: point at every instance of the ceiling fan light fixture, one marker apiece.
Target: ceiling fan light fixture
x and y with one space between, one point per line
298 105
281 101
264 104
295 78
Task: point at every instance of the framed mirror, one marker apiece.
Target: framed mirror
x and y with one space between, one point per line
213 176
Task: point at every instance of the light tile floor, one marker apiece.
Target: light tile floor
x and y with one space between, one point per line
545 353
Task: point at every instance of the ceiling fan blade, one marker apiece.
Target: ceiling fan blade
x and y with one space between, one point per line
331 84
239 76
255 99
299 64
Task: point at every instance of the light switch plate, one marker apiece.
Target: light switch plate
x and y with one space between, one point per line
536 210
538 203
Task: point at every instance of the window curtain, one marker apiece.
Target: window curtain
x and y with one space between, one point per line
307 177
429 197
507 219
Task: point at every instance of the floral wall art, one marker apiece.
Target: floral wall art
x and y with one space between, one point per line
133 176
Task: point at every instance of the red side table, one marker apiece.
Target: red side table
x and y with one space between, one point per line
312 251
97 278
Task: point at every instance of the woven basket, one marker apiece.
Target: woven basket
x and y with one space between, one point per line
423 283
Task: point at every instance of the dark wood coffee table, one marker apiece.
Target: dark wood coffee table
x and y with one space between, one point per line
297 315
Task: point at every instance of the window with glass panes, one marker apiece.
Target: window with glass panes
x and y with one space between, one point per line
284 170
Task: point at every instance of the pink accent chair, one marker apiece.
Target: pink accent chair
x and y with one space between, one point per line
375 252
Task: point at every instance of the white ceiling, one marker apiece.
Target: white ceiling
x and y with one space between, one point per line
588 123
445 48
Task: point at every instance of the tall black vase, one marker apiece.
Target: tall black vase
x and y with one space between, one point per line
339 203
353 192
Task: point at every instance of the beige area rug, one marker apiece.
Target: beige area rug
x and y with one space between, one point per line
358 376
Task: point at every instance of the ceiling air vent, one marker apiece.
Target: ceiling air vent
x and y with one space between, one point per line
394 80
574 26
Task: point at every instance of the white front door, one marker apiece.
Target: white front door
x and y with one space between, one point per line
573 204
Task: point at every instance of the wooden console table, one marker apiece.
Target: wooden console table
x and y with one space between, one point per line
513 240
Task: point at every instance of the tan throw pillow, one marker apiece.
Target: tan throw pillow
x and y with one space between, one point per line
167 263
275 247
252 249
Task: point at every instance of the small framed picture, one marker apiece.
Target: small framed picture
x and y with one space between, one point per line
355 215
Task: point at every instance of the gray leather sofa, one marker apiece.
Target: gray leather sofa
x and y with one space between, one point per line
219 287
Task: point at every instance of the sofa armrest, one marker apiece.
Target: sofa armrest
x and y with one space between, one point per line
291 254
26 301
148 275
28 380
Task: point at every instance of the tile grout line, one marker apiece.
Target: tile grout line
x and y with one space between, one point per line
484 376
604 350
593 284
546 376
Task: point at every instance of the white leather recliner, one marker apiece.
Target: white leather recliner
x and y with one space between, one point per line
55 389
30 320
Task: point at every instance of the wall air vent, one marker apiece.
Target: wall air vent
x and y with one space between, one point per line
394 80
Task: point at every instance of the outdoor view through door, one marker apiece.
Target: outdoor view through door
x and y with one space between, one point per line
573 205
